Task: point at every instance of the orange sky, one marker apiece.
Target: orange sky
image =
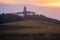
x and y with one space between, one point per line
48 3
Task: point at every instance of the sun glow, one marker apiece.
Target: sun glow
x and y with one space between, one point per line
54 4
47 3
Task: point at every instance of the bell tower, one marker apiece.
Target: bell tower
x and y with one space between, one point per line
25 11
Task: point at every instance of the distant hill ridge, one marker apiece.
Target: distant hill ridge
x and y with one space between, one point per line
5 18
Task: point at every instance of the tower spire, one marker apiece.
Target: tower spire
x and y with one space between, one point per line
25 11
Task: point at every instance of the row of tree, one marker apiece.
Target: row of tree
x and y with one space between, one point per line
4 18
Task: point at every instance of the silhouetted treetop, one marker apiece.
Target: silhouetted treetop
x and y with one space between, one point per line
4 18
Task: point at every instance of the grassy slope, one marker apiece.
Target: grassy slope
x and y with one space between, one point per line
33 27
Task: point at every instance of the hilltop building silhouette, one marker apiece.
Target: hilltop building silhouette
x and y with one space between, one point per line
25 13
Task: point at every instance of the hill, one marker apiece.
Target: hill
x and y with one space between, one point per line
32 26
40 22
5 18
31 23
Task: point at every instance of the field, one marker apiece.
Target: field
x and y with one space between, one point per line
30 30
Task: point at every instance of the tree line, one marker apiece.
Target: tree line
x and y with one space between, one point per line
4 18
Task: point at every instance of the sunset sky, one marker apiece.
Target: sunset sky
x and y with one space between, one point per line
55 3
50 8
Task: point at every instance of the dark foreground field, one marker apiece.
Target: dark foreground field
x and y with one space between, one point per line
50 36
7 33
29 30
